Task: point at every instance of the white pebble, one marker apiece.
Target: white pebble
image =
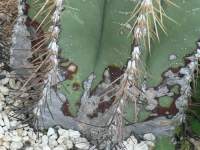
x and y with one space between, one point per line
82 146
68 144
50 132
73 134
45 147
6 144
4 90
32 135
132 140
25 138
14 133
60 147
141 146
1 121
61 139
6 79
1 130
13 123
149 137
44 140
2 98
16 145
16 139
53 143
53 137
29 148
62 131
1 141
6 120
20 132
9 100
7 137
13 84
2 148
150 144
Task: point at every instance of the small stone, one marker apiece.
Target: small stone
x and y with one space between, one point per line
198 53
14 133
82 144
4 78
6 144
2 98
53 143
74 134
61 139
20 132
37 147
1 141
14 84
45 147
62 132
2 148
1 120
172 57
60 147
132 140
151 93
25 138
16 139
6 120
4 81
150 144
32 135
4 90
13 123
50 132
1 106
7 137
9 100
149 137
5 128
68 144
53 137
129 144
44 140
198 44
1 130
141 146
29 148
16 145
150 107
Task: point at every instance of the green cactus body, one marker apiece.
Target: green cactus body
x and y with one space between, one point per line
93 36
94 39
180 39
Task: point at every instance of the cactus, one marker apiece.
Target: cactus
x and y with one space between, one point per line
96 37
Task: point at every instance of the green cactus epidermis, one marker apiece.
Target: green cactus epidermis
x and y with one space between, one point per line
164 143
179 41
93 37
